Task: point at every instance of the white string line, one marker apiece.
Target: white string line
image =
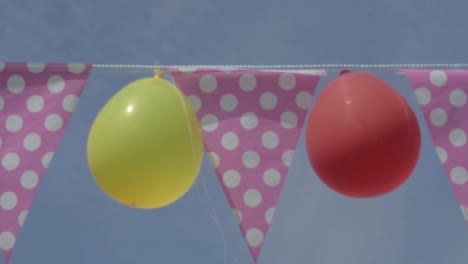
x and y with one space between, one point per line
141 66
284 66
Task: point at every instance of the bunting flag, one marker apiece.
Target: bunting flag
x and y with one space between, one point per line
442 96
36 102
251 122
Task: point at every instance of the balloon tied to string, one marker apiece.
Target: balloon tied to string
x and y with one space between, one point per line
138 113
371 144
159 73
344 71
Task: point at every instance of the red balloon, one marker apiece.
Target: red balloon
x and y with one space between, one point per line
363 138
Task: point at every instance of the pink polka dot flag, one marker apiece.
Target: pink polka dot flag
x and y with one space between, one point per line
36 102
251 122
442 96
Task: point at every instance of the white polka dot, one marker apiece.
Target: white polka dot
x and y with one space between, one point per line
14 123
209 123
247 82
10 161
8 201
288 120
237 215
228 102
438 117
288 157
457 137
272 177
53 122
195 102
7 240
438 78
32 142
230 140
76 68
303 100
249 120
35 67
214 159
187 69
2 103
254 237
22 217
16 84
29 180
458 98
231 178
252 198
464 212
423 95
269 215
459 175
46 159
70 102
2 66
208 84
443 156
268 101
250 159
56 84
35 103
270 140
287 81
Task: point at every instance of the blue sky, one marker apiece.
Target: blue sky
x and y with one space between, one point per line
73 222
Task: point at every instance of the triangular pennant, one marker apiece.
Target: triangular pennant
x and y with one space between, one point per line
442 96
36 102
251 122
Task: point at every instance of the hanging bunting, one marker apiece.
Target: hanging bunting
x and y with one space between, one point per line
36 102
442 96
251 122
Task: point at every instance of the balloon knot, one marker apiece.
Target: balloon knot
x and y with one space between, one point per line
159 73
344 71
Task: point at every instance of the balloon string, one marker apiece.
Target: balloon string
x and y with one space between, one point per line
215 219
160 74
187 121
211 210
212 213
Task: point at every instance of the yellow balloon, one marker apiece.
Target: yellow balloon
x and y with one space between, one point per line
145 146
